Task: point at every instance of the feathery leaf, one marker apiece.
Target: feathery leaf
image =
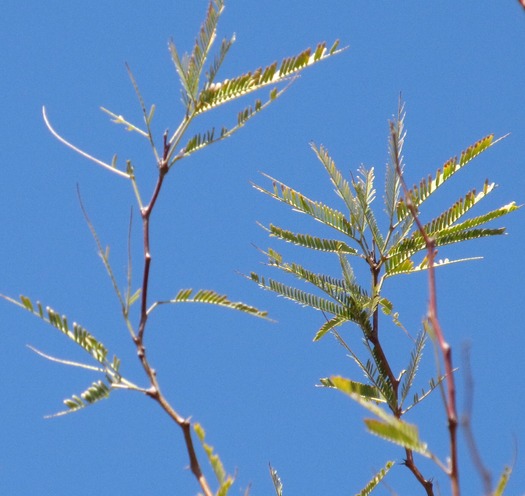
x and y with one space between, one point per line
312 242
190 66
301 203
503 481
225 481
215 94
96 392
313 301
415 358
376 480
77 333
342 187
395 147
389 427
201 140
350 296
328 326
366 391
277 484
338 289
417 398
365 194
457 210
212 298
219 59
426 187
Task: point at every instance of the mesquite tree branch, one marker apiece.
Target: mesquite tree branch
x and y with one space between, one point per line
446 351
483 471
396 409
154 391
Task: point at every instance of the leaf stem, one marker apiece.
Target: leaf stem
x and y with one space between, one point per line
78 150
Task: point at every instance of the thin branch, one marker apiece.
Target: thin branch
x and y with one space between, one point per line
410 464
154 392
484 473
130 265
374 339
78 150
450 401
146 214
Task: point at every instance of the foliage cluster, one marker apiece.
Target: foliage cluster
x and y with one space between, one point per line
406 246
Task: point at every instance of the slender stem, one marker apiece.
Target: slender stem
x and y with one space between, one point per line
154 392
146 214
410 464
397 410
484 473
374 339
446 351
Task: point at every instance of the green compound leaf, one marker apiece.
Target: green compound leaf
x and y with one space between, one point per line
428 186
277 484
399 257
216 94
225 481
396 142
303 298
201 140
342 186
346 292
189 67
415 359
387 426
328 326
319 211
212 298
75 332
366 391
503 481
312 242
458 210
365 195
96 392
376 480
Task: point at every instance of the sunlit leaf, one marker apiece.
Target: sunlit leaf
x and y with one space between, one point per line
225 481
212 298
277 484
375 480
301 203
216 94
502 482
75 332
388 426
96 392
312 242
428 186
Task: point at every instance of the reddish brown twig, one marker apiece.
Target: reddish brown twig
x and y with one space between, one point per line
446 351
154 391
466 417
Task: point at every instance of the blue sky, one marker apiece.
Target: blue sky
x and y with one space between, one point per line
460 68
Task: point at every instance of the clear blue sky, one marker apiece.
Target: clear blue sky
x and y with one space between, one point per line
460 67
